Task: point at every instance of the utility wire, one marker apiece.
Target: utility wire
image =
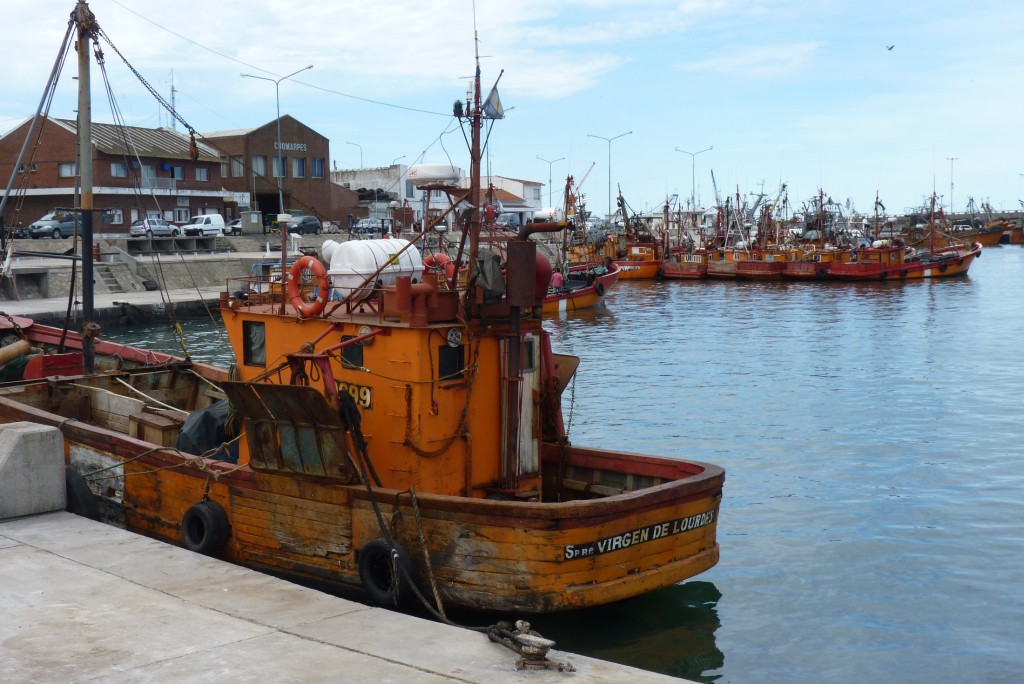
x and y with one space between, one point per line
252 66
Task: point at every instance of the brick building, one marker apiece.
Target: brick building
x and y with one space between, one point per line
253 166
137 172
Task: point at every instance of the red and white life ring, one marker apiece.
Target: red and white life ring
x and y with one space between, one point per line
440 260
308 309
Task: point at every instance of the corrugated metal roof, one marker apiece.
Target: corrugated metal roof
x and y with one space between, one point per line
162 143
238 132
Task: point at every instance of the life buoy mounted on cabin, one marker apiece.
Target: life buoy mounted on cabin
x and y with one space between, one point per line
308 309
440 260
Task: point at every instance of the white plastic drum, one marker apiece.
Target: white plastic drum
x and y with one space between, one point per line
352 262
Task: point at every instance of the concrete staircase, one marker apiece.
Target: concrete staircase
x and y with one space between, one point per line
105 277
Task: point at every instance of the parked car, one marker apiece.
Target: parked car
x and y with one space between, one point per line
234 227
149 227
204 224
306 225
56 224
18 232
371 226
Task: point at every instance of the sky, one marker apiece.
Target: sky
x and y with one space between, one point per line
804 93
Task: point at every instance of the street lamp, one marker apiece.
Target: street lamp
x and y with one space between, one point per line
609 141
693 183
549 173
360 152
951 160
396 159
277 97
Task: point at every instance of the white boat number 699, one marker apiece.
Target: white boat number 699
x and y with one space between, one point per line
361 394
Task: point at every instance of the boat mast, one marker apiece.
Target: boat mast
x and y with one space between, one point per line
86 23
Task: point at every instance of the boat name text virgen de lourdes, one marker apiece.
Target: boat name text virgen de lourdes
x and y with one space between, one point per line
639 536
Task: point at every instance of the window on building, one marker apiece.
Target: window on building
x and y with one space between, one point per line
181 215
259 165
202 173
318 167
223 169
279 165
299 167
410 189
179 173
113 216
118 170
536 193
31 169
67 169
237 167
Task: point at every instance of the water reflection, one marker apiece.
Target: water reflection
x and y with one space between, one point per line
671 631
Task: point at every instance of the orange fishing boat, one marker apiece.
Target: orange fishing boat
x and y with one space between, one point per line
584 286
686 265
812 263
391 431
641 258
894 260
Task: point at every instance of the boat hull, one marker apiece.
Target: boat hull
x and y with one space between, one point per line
638 270
603 542
581 294
952 263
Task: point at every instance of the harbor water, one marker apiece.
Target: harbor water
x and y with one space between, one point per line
872 526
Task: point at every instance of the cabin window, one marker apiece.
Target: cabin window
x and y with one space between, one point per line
451 362
254 343
352 355
118 170
202 173
298 167
529 355
237 168
67 169
259 165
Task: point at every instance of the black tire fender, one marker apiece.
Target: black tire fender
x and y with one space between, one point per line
80 499
599 288
205 528
377 573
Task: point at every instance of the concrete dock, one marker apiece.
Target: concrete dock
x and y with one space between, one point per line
84 601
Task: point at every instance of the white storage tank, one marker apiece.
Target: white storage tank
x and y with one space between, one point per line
352 262
434 174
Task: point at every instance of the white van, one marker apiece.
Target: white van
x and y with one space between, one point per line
205 224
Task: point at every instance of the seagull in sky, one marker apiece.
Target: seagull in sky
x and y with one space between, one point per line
889 47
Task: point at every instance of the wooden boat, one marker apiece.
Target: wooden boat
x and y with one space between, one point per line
641 257
686 265
815 263
763 264
396 433
894 260
586 286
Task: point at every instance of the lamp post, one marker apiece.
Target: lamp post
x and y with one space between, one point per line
360 152
609 141
549 163
277 97
693 183
951 160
